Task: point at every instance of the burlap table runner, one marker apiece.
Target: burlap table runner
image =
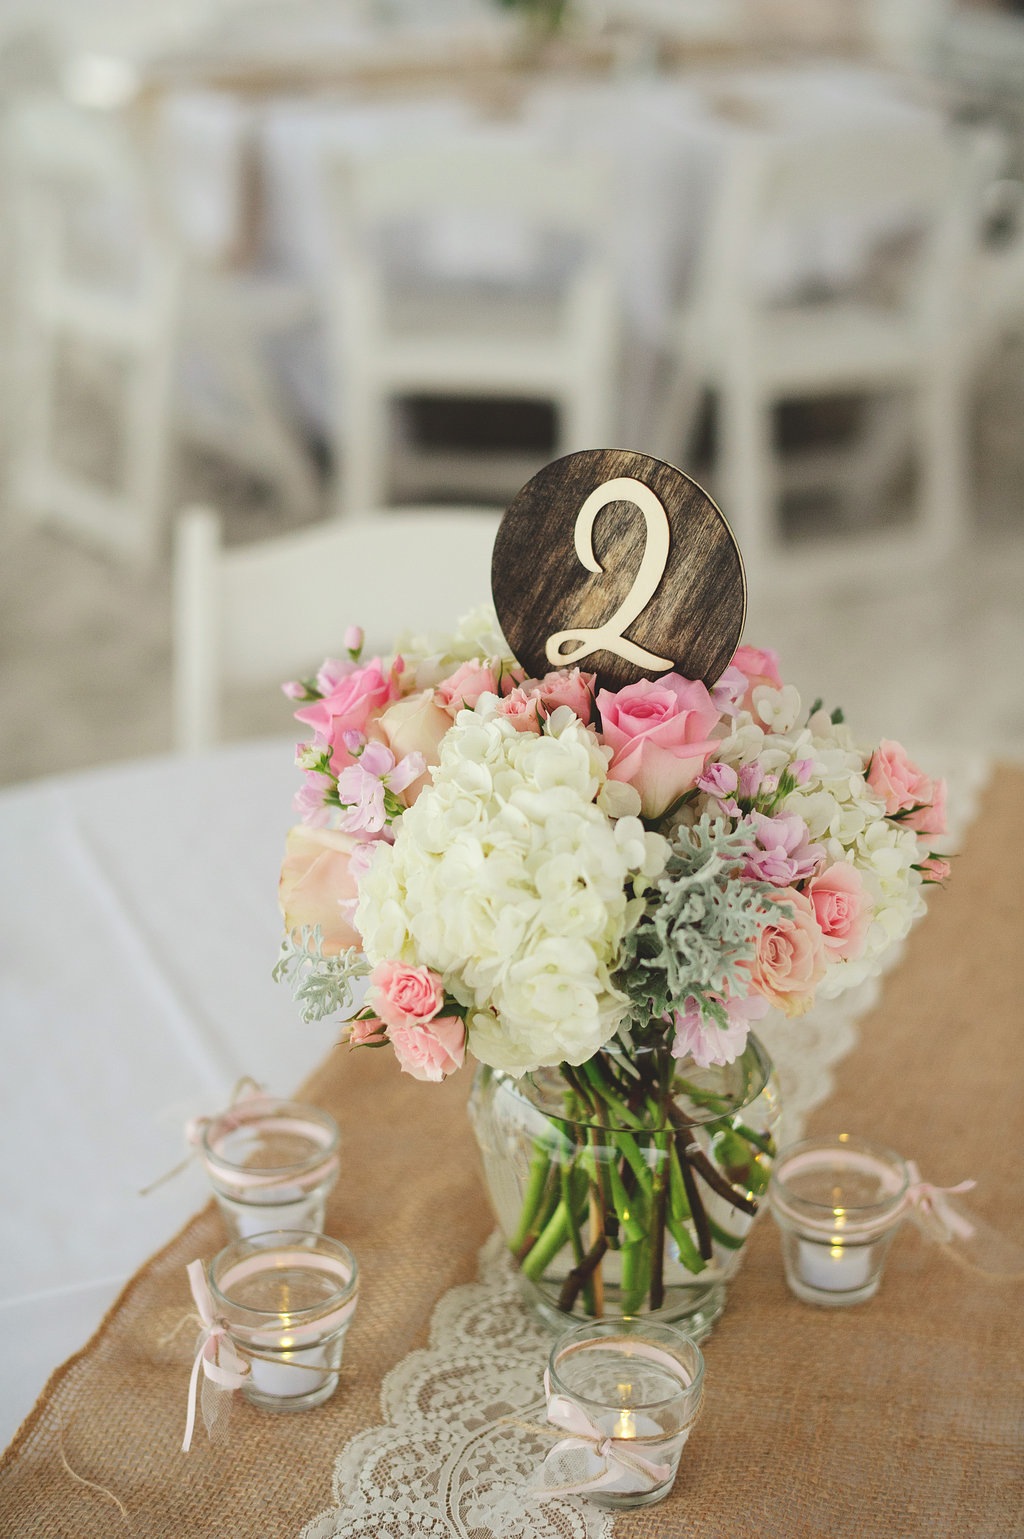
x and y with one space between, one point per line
900 1418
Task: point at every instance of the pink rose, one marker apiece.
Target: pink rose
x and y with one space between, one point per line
759 665
906 789
430 1051
522 708
403 995
930 819
790 960
356 697
365 1033
660 736
317 883
415 725
842 908
463 688
567 686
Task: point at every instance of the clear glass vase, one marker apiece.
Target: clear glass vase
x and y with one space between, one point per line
628 1193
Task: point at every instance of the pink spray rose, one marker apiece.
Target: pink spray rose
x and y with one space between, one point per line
660 736
403 995
318 885
935 869
432 1050
356 697
527 705
902 786
463 688
365 1033
842 908
790 961
759 665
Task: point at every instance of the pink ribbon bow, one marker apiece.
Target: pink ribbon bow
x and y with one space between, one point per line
619 1454
931 1205
217 1355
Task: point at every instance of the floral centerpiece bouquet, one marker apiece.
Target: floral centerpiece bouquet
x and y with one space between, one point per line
594 893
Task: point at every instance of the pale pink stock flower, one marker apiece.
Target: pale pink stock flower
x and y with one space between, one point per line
318 886
353 638
728 693
352 700
751 776
784 853
790 961
430 1051
403 995
332 671
842 908
659 734
759 666
294 690
903 787
718 780
705 1041
309 800
362 785
801 770
463 688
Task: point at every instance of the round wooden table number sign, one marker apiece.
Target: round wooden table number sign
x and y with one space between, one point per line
618 564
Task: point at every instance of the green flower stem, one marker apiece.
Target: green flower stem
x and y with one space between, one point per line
548 1244
540 1170
684 1154
570 1204
625 1207
599 1083
759 1140
679 1212
633 1277
660 1183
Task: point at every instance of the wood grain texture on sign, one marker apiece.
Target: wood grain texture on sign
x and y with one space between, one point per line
541 588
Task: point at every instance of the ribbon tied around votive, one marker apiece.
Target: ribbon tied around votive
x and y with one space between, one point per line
217 1357
619 1454
930 1205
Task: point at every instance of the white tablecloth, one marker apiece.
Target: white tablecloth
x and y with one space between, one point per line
139 930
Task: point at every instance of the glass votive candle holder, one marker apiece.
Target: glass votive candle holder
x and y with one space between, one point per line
628 1392
287 1299
272 1165
838 1202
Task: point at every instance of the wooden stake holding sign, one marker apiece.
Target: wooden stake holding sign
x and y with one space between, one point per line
619 564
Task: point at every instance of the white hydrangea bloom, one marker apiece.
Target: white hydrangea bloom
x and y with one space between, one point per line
508 879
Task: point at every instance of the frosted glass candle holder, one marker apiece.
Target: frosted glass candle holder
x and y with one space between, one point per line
627 1393
287 1300
272 1165
838 1203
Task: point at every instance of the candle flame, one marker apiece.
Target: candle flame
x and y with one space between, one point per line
625 1426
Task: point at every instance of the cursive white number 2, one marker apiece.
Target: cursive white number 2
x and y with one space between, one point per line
609 636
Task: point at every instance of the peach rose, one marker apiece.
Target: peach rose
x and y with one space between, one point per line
415 725
759 665
659 734
790 960
903 788
432 1050
404 995
317 883
842 908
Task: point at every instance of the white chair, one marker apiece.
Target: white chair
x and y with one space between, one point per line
103 277
261 613
417 307
752 350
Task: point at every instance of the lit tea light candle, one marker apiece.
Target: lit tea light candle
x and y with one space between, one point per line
287 1301
627 1392
837 1202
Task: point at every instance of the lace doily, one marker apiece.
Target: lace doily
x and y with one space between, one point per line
453 1457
